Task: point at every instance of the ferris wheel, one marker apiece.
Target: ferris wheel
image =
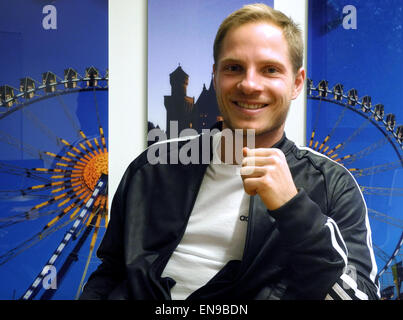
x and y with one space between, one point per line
360 135
53 181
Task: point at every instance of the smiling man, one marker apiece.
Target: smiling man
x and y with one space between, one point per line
255 81
292 225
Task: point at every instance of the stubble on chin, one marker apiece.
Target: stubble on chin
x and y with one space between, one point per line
272 128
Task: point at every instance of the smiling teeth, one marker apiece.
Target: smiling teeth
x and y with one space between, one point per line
250 106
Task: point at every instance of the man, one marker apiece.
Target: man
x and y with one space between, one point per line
294 225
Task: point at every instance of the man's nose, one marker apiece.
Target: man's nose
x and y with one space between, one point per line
250 83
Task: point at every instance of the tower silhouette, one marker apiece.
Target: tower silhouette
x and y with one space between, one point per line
178 105
183 109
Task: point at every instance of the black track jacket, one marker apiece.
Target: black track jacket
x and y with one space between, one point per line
316 246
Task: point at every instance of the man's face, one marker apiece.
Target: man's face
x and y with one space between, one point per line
254 78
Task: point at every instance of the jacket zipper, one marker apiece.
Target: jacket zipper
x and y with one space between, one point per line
248 235
157 265
246 246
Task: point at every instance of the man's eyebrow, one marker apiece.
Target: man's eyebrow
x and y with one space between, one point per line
262 62
272 62
229 60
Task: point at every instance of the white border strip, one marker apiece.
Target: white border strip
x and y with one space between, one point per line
127 125
295 126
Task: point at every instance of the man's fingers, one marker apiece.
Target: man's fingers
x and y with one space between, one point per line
261 152
266 172
257 161
250 186
252 171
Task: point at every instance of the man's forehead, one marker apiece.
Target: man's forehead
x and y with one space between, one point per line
267 27
266 38
255 34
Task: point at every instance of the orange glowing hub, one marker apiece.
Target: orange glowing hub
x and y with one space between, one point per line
95 167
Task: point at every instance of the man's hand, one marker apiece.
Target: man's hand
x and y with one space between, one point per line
265 172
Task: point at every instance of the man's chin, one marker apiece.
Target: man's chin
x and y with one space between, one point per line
251 129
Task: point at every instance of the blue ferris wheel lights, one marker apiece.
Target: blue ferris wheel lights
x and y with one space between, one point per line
49 81
7 97
352 96
323 88
309 85
27 85
399 133
390 121
71 78
366 104
92 76
379 112
338 92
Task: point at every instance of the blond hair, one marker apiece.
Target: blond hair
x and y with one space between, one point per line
260 12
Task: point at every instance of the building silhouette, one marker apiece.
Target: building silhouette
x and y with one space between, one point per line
207 107
198 115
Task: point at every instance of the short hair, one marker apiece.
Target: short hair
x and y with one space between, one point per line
260 12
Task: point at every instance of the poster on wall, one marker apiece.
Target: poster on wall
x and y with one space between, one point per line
354 92
184 32
354 114
53 145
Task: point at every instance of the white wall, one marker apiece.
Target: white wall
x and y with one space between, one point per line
128 82
295 126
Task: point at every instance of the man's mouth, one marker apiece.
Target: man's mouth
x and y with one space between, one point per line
251 106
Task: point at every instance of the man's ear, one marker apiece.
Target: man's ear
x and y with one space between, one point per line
298 83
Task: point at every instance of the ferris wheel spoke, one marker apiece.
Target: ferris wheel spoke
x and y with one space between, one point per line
350 158
41 126
23 146
340 146
92 247
382 191
28 243
396 222
71 258
73 122
89 144
315 124
6 222
20 195
376 169
381 253
57 204
77 205
392 257
23 172
34 288
96 107
330 134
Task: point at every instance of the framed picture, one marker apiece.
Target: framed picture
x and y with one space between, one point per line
53 145
353 112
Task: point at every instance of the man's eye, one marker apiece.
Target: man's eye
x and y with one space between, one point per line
233 68
270 70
